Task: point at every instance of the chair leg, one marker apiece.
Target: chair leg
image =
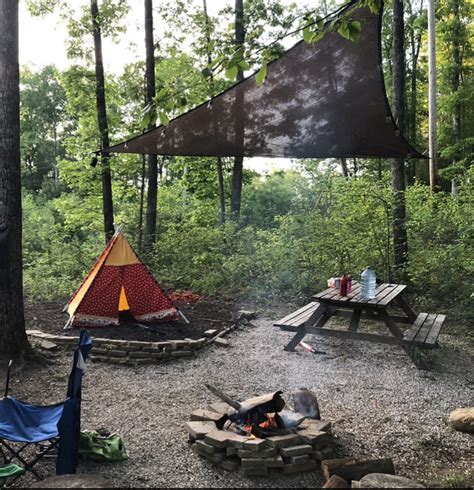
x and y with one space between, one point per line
27 465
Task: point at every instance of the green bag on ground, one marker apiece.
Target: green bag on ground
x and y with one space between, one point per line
101 448
8 471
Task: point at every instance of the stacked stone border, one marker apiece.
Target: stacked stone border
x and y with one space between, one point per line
298 452
133 352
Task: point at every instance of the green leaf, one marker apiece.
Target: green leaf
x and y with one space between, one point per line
354 29
206 72
307 34
343 30
318 35
374 5
261 74
243 65
164 119
161 94
231 72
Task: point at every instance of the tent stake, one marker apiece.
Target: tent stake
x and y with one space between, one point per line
183 317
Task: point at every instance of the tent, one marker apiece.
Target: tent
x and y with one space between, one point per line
119 283
319 100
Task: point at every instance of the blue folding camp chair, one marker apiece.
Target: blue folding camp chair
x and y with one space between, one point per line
45 427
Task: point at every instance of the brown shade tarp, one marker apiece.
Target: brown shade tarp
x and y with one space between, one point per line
320 100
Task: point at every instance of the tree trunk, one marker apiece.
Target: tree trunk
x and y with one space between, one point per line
237 171
415 45
398 164
107 202
355 166
13 340
433 135
140 213
220 176
152 195
345 173
220 173
455 82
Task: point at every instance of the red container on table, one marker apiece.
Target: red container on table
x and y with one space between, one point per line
343 286
349 283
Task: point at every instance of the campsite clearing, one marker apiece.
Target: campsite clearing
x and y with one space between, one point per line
374 413
203 315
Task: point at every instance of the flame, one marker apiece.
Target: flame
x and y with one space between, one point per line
248 429
270 423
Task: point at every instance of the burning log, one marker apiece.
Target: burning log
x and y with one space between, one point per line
257 416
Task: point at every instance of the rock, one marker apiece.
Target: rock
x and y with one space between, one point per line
202 415
198 429
296 450
462 419
381 480
306 403
221 342
246 315
291 419
47 345
210 333
351 469
73 481
336 482
283 441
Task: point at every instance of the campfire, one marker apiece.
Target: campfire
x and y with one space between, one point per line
261 434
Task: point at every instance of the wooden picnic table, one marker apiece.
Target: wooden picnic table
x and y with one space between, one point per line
311 319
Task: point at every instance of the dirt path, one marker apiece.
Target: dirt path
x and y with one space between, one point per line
379 403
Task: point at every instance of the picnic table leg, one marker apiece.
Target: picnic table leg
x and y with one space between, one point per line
355 318
290 347
402 303
322 318
392 326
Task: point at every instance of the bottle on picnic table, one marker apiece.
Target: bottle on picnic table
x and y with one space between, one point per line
349 283
337 281
343 285
367 283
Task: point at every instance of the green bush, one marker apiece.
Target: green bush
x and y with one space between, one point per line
284 249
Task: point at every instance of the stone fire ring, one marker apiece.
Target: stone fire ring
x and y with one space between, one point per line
294 453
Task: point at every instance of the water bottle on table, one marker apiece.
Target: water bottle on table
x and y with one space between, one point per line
367 283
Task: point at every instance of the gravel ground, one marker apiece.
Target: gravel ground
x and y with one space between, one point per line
379 403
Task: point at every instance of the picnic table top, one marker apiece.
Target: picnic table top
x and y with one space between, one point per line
385 293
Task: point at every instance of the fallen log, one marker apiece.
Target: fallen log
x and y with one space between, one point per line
351 469
233 403
336 482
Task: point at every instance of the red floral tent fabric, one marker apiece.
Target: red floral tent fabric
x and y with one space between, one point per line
118 282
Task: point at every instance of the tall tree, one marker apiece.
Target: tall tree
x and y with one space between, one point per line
13 338
432 108
220 173
398 164
237 171
415 27
455 83
152 194
107 202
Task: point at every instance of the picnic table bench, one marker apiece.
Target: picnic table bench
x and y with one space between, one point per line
423 329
